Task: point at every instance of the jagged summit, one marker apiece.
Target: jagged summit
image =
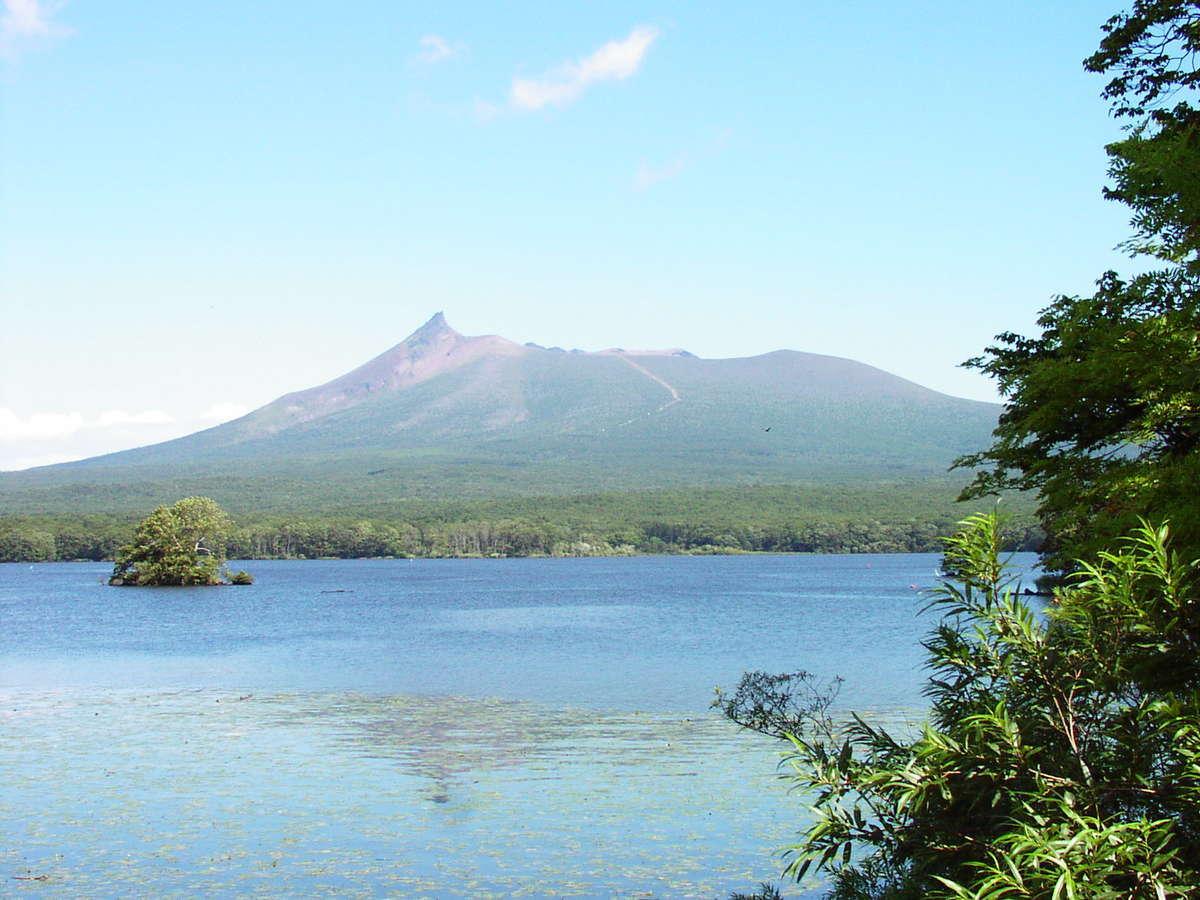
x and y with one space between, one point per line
436 325
437 333
433 349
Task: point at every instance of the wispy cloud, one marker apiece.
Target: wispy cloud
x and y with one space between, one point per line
24 18
53 425
38 425
121 417
648 175
25 21
435 49
17 463
615 61
223 412
485 110
44 438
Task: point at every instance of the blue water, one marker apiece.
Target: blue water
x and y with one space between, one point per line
426 728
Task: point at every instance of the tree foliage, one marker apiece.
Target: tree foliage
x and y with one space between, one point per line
1151 53
762 518
1103 413
1103 409
1061 756
176 545
27 545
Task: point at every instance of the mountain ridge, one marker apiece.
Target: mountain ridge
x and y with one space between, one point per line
442 413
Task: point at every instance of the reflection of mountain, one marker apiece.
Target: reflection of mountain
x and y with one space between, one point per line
450 740
444 415
217 793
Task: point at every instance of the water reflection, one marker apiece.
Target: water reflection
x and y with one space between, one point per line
223 794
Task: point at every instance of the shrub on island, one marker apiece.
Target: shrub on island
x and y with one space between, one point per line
183 544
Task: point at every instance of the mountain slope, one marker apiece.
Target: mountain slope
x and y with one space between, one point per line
450 415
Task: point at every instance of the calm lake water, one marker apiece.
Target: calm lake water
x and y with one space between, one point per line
426 728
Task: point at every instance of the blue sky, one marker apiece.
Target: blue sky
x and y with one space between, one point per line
205 206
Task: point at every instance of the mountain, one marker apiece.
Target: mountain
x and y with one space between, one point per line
449 416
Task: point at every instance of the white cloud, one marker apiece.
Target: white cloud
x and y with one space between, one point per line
121 417
651 175
223 412
435 48
17 463
38 425
485 111
57 425
26 20
615 61
647 176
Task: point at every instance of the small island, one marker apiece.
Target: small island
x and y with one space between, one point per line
183 544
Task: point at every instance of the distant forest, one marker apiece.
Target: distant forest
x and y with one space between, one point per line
772 519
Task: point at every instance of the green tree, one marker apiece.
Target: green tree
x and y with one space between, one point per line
1151 53
1103 414
1041 771
1102 417
176 545
27 545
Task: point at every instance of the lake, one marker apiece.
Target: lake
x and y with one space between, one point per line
426 728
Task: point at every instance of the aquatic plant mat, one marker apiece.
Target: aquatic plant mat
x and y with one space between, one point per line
210 793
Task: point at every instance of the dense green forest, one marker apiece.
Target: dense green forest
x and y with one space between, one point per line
903 517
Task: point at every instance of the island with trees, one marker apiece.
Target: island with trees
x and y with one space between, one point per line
182 544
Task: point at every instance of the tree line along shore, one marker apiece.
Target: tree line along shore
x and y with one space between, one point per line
33 539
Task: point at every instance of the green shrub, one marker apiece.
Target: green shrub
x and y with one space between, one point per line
1061 757
183 544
